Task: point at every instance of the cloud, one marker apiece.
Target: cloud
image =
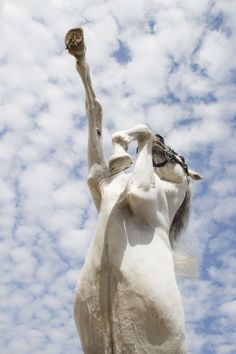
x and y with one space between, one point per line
167 64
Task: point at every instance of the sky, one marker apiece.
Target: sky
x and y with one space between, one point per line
168 64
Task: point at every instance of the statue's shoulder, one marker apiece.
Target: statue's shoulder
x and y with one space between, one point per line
119 180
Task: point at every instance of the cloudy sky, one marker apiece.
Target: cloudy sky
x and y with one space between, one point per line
168 64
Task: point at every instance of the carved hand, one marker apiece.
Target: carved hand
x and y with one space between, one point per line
74 41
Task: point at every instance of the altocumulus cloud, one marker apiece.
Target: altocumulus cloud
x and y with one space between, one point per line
168 64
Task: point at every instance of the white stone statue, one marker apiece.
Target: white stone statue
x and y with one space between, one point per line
127 300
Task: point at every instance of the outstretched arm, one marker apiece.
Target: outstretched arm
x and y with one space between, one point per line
96 161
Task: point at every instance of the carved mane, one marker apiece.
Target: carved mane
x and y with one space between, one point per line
181 218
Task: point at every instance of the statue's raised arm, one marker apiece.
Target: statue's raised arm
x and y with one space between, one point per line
97 165
127 299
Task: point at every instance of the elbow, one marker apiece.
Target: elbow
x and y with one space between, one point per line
137 197
139 190
143 206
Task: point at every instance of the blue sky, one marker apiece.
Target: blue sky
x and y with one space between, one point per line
168 64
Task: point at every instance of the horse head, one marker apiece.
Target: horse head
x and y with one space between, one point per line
169 165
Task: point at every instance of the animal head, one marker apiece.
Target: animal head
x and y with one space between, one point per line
170 165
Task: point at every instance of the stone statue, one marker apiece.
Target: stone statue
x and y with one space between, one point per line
127 300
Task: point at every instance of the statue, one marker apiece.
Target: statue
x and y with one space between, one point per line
127 300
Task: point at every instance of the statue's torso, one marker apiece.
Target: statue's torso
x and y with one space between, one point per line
127 297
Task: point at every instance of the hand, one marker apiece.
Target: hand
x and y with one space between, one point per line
145 133
74 41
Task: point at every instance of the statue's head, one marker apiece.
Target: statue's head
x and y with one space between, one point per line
170 165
